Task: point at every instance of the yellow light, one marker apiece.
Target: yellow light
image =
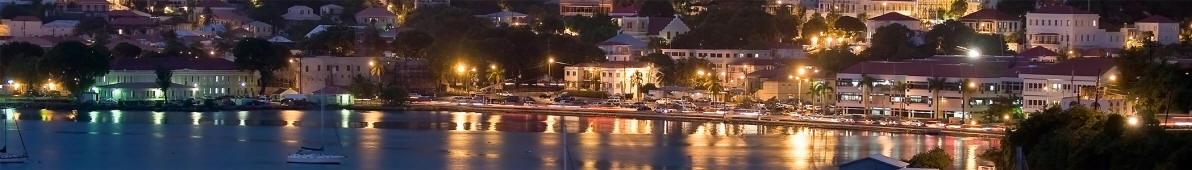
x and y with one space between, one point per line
1133 121
790 77
460 68
802 71
1006 117
971 84
550 60
722 73
700 72
1112 77
492 66
371 63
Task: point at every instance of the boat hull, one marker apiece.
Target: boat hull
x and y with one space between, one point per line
314 159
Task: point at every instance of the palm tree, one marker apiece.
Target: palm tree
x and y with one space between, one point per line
866 89
635 81
821 91
935 84
899 88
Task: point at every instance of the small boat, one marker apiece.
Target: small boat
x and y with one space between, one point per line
13 158
310 157
315 155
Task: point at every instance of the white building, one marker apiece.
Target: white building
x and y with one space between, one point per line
724 60
136 79
315 73
1065 28
377 17
918 99
622 47
1162 29
883 20
1075 78
59 28
584 7
644 28
24 26
992 21
927 10
300 13
505 17
259 29
613 77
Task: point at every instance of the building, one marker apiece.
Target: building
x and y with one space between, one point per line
377 17
429 3
992 21
24 26
645 28
506 18
905 88
60 28
1077 78
135 79
887 19
1065 28
331 11
612 77
927 10
1159 29
622 47
874 162
314 73
720 58
300 13
584 7
259 29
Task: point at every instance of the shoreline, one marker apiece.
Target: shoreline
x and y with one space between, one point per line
708 118
650 115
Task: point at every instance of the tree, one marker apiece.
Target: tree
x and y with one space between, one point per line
393 95
935 158
163 80
899 88
814 26
656 8
866 90
892 43
174 47
950 37
76 65
261 56
16 57
1016 8
850 25
935 85
335 41
958 9
362 87
594 29
822 92
1006 105
665 64
730 28
125 50
412 43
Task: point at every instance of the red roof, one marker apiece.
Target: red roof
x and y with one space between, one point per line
988 14
632 9
231 16
1084 66
1038 51
173 63
893 16
1060 9
375 12
25 18
1157 19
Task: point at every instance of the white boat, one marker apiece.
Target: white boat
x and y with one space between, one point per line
13 158
312 155
314 158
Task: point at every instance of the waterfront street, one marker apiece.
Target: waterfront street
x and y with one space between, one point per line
445 140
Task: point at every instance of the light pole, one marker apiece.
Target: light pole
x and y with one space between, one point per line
550 61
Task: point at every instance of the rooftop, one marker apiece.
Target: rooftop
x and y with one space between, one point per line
173 63
615 64
1156 19
1060 9
1076 67
893 16
375 12
988 14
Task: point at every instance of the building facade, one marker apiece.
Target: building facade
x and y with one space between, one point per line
319 72
136 80
613 77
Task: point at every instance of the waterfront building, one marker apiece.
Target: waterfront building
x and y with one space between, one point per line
135 79
927 10
904 88
315 73
787 83
1069 81
24 26
612 77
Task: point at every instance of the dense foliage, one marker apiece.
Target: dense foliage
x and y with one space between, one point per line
261 56
935 158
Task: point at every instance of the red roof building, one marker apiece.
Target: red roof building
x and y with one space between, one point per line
1060 9
1156 19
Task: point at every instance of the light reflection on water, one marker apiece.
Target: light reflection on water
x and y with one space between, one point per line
468 140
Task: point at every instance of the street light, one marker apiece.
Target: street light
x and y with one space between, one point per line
973 53
1133 121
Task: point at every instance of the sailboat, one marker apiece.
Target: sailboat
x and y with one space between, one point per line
5 156
315 155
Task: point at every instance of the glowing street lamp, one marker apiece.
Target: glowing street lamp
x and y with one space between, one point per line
1133 121
973 53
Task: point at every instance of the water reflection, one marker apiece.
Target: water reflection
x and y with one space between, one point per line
468 140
